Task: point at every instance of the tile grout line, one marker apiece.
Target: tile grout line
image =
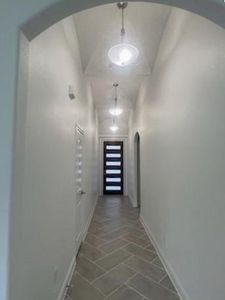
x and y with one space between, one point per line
91 284
108 271
129 221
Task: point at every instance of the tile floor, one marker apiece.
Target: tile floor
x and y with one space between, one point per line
117 260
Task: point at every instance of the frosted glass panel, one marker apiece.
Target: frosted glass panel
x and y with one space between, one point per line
113 147
113 163
113 179
113 155
113 171
113 188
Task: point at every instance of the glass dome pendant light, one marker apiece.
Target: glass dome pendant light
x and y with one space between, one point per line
115 111
123 54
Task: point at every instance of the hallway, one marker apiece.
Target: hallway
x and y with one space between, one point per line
113 99
117 260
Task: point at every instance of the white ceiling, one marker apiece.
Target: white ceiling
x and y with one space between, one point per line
98 29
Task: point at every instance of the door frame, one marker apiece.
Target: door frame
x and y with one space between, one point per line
82 200
108 138
121 144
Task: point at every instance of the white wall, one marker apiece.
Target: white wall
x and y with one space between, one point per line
180 118
43 226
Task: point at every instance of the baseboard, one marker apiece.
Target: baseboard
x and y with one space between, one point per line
68 279
85 231
173 277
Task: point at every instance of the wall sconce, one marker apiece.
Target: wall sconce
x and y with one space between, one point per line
71 93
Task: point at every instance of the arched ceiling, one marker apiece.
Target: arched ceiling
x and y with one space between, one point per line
49 12
98 29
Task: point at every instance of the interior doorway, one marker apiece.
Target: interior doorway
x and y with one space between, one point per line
113 168
137 168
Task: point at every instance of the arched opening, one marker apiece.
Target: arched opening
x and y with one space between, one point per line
54 14
137 169
62 9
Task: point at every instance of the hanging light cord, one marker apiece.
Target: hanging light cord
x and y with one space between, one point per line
123 32
116 98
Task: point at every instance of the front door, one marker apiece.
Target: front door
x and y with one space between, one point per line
80 193
113 168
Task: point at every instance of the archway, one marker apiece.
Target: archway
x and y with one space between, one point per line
41 16
56 11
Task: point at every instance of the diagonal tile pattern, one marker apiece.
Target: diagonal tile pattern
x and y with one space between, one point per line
117 260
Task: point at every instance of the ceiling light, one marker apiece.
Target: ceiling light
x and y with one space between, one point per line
116 111
123 54
114 128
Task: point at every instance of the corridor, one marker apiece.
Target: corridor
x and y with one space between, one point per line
113 133
117 260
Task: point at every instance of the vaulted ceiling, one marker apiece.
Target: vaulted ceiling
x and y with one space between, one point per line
98 29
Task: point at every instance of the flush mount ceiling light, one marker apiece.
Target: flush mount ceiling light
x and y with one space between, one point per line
123 54
115 111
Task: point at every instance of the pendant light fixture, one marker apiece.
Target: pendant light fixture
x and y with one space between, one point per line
115 111
123 54
114 128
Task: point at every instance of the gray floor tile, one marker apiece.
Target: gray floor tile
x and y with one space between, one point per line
82 290
146 269
91 252
110 266
114 279
96 230
140 252
136 240
158 262
114 234
87 269
113 259
113 245
125 293
151 289
166 282
94 240
150 247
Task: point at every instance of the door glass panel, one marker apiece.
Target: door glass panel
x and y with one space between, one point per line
113 163
113 147
113 171
113 155
113 188
113 179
